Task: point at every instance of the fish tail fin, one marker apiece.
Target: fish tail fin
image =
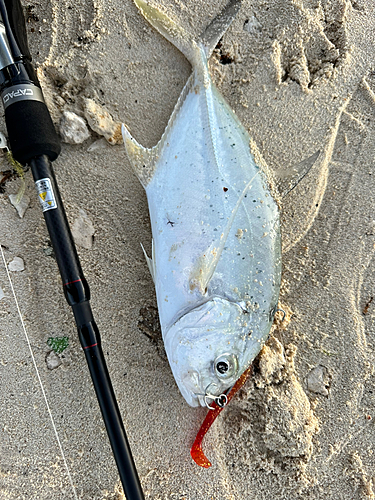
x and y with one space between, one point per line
170 30
184 41
218 26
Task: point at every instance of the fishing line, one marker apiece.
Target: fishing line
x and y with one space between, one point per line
39 379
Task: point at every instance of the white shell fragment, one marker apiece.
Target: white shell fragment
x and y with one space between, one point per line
318 380
3 141
22 206
98 145
102 122
53 360
2 294
16 264
83 230
73 128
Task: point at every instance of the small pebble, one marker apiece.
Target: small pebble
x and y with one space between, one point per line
53 360
16 264
318 380
102 122
22 206
83 230
48 251
73 128
253 26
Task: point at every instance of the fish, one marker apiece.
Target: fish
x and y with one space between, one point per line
216 244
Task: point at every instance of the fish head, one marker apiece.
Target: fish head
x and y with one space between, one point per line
209 348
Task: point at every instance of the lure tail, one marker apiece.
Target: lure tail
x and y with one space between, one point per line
196 451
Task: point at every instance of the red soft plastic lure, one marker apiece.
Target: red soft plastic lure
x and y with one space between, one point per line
196 451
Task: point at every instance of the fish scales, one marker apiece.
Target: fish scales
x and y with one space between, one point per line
216 260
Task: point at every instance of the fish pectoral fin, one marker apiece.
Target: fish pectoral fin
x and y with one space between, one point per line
150 262
218 26
205 266
291 177
203 269
143 160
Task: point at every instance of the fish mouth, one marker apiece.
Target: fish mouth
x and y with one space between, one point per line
198 391
189 386
202 393
213 393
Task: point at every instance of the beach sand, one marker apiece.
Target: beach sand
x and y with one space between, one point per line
300 76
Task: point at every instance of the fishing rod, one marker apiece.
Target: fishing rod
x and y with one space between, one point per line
34 141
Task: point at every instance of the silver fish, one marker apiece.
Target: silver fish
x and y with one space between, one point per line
216 251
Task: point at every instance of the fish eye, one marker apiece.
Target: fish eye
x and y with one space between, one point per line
222 367
225 366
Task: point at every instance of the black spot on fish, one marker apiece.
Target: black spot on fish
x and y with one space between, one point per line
225 189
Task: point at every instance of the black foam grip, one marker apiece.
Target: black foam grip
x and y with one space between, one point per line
31 131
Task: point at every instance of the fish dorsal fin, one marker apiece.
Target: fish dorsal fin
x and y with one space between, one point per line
151 262
291 177
205 265
218 26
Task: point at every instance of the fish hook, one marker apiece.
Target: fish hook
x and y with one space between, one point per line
221 400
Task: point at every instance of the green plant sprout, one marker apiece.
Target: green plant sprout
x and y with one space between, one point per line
17 167
58 344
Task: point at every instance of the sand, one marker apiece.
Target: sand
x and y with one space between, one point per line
300 76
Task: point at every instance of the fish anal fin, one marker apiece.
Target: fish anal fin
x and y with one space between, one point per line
143 160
